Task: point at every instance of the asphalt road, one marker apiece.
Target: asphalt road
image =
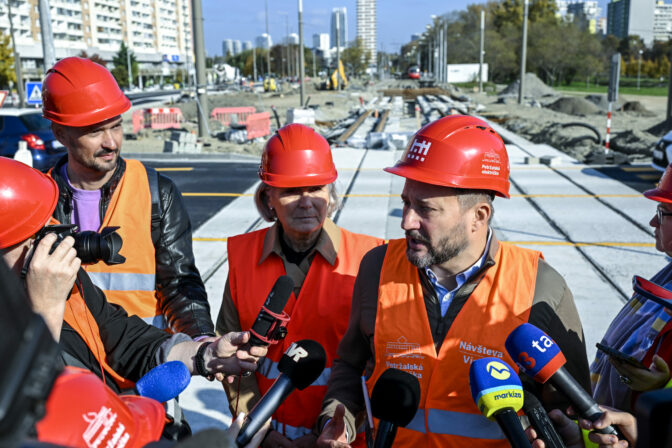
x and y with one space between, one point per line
208 186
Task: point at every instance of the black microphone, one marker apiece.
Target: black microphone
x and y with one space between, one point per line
394 402
539 420
269 327
540 357
299 367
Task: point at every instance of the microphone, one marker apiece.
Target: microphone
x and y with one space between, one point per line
299 367
164 382
269 327
498 393
539 420
394 402
540 357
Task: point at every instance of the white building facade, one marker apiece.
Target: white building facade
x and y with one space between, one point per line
367 27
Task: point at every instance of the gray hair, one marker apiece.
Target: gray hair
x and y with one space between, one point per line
467 198
261 201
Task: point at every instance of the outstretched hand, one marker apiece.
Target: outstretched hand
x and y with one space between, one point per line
333 435
655 377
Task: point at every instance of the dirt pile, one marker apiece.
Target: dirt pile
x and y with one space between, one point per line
635 107
635 143
534 88
574 106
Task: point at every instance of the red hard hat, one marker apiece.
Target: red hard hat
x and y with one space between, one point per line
27 200
297 156
663 191
79 92
84 412
457 151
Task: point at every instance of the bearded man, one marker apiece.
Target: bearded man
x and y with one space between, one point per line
447 294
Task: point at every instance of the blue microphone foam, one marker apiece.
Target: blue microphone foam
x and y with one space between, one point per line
535 352
164 382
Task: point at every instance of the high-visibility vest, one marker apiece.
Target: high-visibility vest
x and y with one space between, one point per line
78 316
320 313
447 415
132 284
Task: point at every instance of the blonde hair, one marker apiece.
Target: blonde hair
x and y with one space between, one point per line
261 201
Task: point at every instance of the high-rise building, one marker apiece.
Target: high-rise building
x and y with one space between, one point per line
366 27
340 14
292 39
155 30
227 47
631 17
237 48
415 37
247 45
585 13
263 41
321 41
662 21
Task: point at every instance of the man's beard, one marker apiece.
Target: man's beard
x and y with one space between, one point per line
446 249
95 164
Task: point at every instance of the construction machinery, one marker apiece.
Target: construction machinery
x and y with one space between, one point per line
332 82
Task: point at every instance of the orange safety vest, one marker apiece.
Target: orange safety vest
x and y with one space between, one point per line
447 415
132 284
320 313
78 316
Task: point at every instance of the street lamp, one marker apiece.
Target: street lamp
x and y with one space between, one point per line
639 67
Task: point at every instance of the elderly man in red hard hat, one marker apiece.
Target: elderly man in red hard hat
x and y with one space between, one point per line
92 332
298 195
158 281
447 294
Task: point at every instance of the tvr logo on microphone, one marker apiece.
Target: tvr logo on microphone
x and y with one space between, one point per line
296 352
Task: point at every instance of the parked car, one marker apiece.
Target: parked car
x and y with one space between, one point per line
28 125
662 152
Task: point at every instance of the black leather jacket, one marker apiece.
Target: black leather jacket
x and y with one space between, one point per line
180 290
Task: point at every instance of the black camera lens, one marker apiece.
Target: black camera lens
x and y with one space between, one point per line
92 246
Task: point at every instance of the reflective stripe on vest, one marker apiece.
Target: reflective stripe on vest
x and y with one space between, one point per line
123 281
320 312
500 302
290 432
269 369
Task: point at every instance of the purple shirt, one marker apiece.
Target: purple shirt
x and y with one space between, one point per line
85 206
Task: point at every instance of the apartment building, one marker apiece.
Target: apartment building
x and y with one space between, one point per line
158 31
366 27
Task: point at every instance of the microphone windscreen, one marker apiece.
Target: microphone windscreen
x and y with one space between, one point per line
494 386
535 352
303 362
395 397
279 295
164 382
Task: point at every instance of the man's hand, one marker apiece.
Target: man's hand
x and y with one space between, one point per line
642 380
333 434
626 423
307 441
230 355
237 424
567 429
50 279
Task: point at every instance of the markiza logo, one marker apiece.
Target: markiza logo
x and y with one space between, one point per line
508 394
100 425
296 352
419 149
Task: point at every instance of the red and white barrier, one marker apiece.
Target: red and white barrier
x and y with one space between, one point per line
224 114
258 125
157 118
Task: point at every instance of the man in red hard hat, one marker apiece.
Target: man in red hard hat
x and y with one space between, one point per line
92 332
158 281
447 294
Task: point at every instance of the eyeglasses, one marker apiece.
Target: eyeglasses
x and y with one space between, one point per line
660 213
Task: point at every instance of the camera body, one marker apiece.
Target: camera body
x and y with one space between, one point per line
90 246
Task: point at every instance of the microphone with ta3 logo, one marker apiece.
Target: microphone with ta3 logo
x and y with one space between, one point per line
498 393
299 367
540 357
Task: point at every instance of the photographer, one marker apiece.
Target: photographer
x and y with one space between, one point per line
92 332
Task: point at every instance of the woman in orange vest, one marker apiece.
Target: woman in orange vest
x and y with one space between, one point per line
297 194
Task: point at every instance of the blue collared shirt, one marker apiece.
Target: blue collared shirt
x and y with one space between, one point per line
444 295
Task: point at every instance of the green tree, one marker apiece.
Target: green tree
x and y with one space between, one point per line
95 57
511 12
356 57
7 71
120 70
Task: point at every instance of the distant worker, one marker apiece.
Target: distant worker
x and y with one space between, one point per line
447 294
297 193
93 334
158 281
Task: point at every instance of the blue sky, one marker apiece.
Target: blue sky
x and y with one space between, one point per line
245 19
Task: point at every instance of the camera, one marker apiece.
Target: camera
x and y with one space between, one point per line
90 246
